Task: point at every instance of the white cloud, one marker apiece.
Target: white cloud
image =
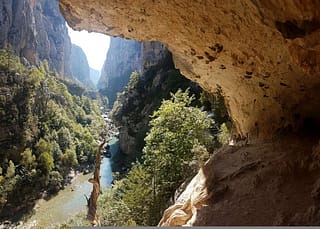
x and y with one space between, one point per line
95 46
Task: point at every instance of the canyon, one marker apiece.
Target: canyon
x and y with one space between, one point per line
265 57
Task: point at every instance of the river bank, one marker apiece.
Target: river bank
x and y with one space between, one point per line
71 200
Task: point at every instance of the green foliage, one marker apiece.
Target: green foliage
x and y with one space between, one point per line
176 128
55 182
69 158
64 138
1 176
175 148
215 103
224 134
47 129
133 81
45 162
10 170
138 194
113 210
42 146
28 160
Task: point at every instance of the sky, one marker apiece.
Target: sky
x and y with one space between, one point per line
94 45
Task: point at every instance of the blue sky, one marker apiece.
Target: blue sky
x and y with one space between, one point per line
95 46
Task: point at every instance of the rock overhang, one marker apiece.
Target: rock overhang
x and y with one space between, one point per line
265 55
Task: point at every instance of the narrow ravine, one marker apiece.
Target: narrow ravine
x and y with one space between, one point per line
71 200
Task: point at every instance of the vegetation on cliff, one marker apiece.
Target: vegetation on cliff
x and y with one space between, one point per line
175 148
142 96
45 131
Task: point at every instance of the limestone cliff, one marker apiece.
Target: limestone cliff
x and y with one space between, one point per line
79 66
132 110
36 31
123 57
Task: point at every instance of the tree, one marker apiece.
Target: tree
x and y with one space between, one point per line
134 78
175 128
28 160
11 171
64 139
138 194
43 146
1 176
55 181
45 162
113 210
69 158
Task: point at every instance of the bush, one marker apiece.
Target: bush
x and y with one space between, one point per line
45 162
10 170
224 134
28 160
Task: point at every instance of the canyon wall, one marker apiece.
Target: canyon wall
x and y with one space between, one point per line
123 57
80 69
133 108
36 31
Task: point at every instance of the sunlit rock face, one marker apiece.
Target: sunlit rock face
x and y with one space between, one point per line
37 31
264 54
256 185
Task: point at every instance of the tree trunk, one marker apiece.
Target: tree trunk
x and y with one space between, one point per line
92 215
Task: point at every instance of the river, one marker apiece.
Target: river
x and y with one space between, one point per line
71 200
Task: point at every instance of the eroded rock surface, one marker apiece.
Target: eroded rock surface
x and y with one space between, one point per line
267 184
264 54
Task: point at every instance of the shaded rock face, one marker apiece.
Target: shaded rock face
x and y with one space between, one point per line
123 57
158 78
36 30
263 54
79 66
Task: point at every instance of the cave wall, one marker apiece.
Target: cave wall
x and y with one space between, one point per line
263 54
